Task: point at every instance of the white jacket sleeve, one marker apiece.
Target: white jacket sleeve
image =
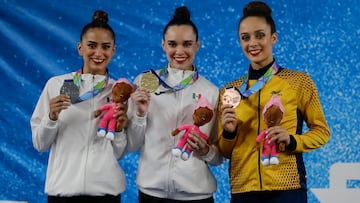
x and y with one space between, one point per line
136 127
136 132
119 144
44 130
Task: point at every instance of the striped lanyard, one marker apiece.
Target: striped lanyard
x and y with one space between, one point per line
183 84
260 83
100 86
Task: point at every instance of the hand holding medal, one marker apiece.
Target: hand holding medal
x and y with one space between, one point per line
231 96
69 93
149 83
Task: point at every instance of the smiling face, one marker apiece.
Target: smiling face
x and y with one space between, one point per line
257 41
180 46
97 48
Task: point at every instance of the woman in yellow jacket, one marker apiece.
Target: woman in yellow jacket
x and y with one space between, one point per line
241 122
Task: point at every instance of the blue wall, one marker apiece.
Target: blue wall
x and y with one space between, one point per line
38 40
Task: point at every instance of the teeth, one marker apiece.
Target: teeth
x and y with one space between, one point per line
180 58
254 52
98 60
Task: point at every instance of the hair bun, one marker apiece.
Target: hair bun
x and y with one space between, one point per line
182 13
100 15
257 7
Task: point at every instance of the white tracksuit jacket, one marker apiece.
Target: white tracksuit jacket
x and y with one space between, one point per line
159 173
79 161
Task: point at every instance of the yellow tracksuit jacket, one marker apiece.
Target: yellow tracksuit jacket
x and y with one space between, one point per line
301 101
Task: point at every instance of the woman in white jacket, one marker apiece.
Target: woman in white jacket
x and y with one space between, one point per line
161 176
82 167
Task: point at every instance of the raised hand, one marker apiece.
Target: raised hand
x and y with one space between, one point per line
57 104
141 97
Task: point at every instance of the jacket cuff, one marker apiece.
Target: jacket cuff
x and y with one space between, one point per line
229 135
210 155
120 135
50 123
292 144
139 120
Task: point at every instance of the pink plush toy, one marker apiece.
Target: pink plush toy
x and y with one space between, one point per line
273 113
202 114
121 91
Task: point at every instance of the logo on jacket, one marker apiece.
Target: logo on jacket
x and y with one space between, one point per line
196 96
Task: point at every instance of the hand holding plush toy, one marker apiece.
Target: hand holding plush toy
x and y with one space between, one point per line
273 113
202 114
121 91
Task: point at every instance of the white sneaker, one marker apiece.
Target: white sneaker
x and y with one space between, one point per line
176 152
265 161
274 160
185 155
101 133
109 136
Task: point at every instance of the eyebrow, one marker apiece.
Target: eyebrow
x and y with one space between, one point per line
184 41
105 43
260 30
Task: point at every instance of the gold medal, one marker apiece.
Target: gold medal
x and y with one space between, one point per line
149 81
231 96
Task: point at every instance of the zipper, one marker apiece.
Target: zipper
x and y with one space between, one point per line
259 150
171 184
88 138
172 159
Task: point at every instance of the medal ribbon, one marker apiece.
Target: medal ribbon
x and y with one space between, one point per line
100 86
183 84
260 83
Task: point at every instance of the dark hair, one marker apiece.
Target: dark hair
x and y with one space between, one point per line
181 17
259 9
99 20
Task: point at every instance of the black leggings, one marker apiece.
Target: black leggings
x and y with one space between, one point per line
144 198
286 196
85 199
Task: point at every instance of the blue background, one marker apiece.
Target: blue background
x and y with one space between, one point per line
38 40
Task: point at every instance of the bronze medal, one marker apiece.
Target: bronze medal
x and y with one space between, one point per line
149 81
231 96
